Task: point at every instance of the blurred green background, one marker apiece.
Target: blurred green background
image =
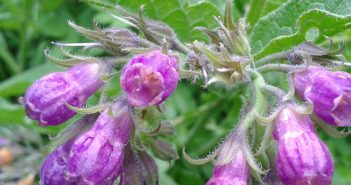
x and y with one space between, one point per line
202 117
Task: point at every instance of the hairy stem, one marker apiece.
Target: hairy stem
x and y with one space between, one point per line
276 91
276 56
285 68
259 105
180 47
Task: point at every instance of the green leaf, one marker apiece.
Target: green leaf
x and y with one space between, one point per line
180 102
271 5
259 8
182 17
287 26
51 5
7 57
18 84
12 113
55 23
220 4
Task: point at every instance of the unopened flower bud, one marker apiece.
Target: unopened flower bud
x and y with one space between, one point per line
96 157
114 40
318 54
166 128
231 166
150 168
163 150
302 158
235 172
330 93
54 168
139 168
45 99
149 79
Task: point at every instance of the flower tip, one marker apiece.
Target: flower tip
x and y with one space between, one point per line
43 123
21 100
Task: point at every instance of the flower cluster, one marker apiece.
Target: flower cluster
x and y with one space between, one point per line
275 142
296 156
301 156
95 156
95 152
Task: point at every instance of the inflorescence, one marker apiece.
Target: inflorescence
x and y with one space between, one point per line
111 141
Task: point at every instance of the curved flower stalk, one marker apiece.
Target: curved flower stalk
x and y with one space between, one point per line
46 99
234 156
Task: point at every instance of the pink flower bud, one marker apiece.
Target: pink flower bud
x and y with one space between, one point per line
149 79
45 99
330 93
96 157
236 172
302 158
54 168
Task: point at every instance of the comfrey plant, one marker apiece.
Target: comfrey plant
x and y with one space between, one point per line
275 142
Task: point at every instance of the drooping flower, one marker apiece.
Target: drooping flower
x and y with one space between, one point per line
302 158
234 173
96 157
45 99
330 93
53 170
231 167
149 79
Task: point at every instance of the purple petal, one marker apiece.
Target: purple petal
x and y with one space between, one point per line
235 172
45 99
149 79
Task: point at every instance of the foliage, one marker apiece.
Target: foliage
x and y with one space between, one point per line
202 117
293 22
